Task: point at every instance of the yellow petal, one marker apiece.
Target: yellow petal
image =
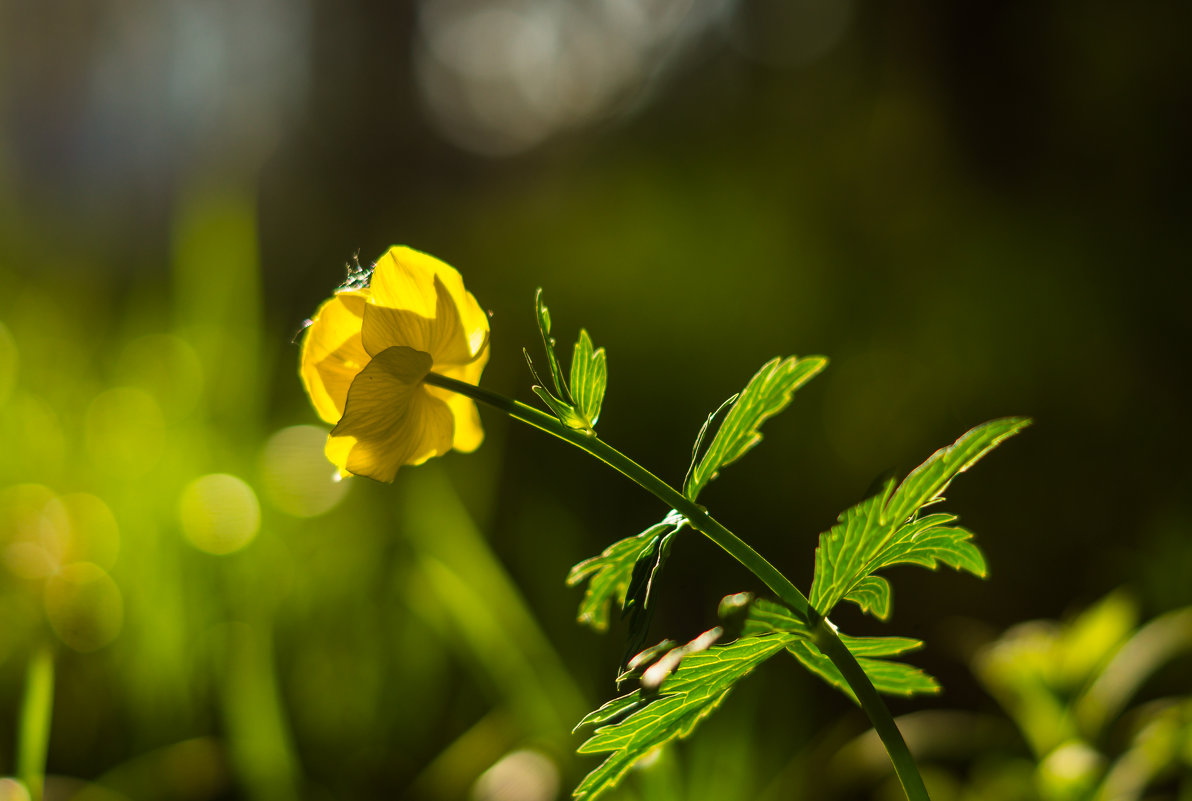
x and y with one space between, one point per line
337 450
403 279
466 417
333 353
470 371
441 335
468 431
392 417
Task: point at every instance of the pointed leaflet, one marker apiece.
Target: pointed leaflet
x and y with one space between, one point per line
645 720
888 677
636 603
611 574
576 407
542 314
883 530
872 594
589 377
768 393
891 678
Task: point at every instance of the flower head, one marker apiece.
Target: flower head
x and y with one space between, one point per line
367 351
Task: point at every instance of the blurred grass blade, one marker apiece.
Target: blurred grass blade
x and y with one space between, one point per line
259 740
766 394
1155 644
37 706
464 592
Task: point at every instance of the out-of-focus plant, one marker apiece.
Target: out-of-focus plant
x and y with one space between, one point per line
1075 731
1068 688
393 359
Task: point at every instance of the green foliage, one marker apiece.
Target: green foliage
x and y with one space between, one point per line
589 377
884 530
577 406
888 677
766 394
1067 686
612 574
1071 681
757 617
658 712
680 688
624 573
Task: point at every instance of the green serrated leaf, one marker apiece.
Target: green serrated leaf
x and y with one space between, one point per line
766 394
699 438
616 708
548 343
699 685
872 594
756 617
610 574
589 378
925 483
885 530
888 677
880 646
764 617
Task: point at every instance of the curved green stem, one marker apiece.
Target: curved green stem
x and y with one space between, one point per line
824 635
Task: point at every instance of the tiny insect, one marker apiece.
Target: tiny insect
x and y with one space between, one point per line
358 275
358 278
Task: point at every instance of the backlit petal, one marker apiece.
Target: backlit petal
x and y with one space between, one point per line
466 418
336 450
468 431
470 371
392 417
333 353
404 278
442 336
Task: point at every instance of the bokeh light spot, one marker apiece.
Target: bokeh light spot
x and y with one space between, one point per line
84 606
13 790
88 529
125 431
165 366
499 78
523 775
34 444
9 360
297 479
30 546
220 513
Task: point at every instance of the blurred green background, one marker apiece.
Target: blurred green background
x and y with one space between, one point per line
974 211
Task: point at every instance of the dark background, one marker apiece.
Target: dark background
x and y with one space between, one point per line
972 210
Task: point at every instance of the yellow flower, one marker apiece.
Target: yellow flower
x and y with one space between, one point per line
365 356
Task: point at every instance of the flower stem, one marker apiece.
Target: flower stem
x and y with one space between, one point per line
37 706
824 635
